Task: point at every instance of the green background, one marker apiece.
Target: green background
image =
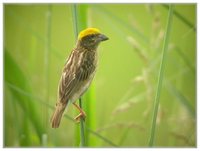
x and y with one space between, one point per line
119 104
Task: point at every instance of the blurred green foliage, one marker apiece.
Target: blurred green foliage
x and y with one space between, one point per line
120 102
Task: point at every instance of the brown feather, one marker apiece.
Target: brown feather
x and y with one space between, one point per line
57 115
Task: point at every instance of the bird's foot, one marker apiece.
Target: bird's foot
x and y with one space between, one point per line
78 117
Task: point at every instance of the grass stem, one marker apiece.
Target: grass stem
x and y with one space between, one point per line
82 133
160 77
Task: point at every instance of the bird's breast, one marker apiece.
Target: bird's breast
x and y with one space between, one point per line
88 68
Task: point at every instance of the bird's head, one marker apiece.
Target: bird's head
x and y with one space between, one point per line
90 38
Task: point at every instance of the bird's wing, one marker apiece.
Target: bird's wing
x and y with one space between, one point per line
73 75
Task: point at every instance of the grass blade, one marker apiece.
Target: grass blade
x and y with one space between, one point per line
46 64
90 106
185 59
183 19
101 137
82 130
40 101
183 100
26 104
160 77
34 98
76 31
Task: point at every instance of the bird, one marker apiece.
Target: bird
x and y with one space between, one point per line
78 73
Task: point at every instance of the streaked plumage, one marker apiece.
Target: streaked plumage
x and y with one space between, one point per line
78 71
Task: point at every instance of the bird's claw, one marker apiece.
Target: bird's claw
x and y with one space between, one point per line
78 117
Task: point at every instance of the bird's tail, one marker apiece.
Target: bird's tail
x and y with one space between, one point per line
57 115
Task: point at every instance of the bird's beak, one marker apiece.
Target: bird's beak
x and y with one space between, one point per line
102 37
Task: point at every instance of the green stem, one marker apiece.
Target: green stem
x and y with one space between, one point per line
82 133
46 65
75 20
82 143
160 77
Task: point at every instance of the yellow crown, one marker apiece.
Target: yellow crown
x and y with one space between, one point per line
88 31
